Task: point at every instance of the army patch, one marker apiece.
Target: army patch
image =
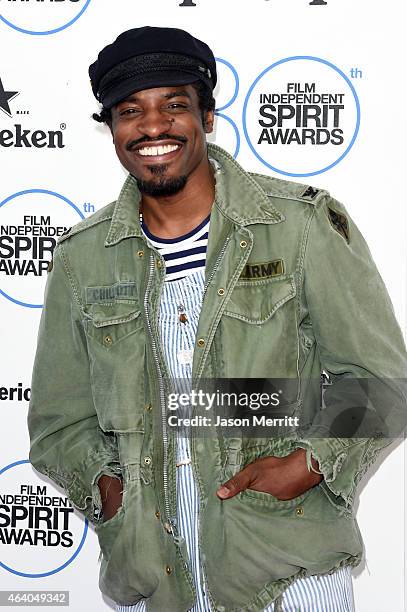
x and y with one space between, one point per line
264 269
310 193
340 223
64 234
110 293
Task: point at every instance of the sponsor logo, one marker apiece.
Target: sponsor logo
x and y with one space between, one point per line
41 17
5 98
19 136
15 394
301 116
30 224
227 131
40 532
39 139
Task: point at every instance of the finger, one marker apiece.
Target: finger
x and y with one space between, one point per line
235 485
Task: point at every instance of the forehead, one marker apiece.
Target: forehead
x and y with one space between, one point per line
162 93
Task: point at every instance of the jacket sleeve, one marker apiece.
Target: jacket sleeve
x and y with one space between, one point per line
361 348
67 444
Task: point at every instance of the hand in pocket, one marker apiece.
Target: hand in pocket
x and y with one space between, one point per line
111 492
283 477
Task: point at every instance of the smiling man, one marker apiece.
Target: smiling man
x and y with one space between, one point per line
198 271
159 135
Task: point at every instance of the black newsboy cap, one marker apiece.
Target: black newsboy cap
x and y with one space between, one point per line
147 57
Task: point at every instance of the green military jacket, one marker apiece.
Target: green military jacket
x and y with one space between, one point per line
290 291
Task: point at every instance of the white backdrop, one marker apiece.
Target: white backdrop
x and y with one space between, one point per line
57 166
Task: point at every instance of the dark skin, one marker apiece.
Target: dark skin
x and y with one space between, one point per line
138 124
170 117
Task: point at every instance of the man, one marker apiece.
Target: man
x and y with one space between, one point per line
202 271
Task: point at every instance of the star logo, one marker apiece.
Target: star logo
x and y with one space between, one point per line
5 97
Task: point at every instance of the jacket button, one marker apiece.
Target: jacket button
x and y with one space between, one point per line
168 570
158 263
221 291
201 342
157 514
149 407
243 244
147 461
299 511
108 340
140 253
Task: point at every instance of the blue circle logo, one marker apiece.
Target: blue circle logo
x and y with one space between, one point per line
227 130
38 526
31 224
301 116
42 18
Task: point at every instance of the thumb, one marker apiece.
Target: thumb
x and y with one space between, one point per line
235 485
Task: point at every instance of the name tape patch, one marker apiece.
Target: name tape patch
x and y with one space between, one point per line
110 293
263 269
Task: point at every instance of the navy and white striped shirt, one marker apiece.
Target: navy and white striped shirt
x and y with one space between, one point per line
183 255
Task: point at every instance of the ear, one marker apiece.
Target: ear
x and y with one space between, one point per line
209 121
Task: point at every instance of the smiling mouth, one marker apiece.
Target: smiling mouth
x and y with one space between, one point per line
158 150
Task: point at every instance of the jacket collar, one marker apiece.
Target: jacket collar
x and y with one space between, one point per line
125 221
238 197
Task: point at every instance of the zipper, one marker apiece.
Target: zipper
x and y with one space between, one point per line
204 585
170 522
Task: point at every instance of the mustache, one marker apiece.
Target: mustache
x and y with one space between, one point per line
134 143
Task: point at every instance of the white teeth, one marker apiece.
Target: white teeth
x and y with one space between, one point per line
162 150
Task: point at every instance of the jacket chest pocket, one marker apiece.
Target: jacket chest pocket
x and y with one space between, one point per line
116 345
258 331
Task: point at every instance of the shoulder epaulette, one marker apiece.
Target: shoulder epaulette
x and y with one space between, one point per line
104 214
289 190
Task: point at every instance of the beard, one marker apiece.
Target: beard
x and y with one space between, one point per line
160 185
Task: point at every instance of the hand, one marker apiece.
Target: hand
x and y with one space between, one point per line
283 477
111 492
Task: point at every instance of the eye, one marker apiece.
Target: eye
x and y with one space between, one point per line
128 111
177 106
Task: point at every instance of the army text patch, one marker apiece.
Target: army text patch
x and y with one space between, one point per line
340 223
264 269
110 293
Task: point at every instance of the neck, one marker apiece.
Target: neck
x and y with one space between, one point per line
175 215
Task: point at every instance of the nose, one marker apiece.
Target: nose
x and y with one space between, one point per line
153 122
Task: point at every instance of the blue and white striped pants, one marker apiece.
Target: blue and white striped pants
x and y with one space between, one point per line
327 593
